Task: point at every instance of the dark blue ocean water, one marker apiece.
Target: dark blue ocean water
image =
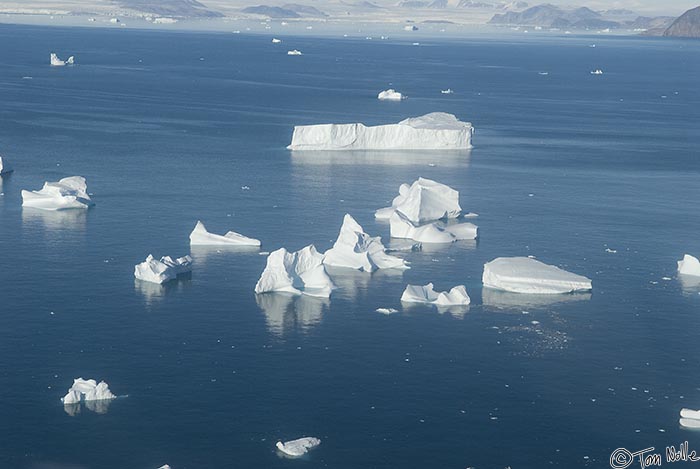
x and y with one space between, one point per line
168 127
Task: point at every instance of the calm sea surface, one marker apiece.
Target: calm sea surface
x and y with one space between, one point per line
169 128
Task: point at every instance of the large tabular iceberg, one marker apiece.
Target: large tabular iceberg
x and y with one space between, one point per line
689 265
298 447
434 131
527 275
435 232
355 249
457 296
4 166
424 200
297 272
163 270
70 192
87 390
390 95
56 62
201 237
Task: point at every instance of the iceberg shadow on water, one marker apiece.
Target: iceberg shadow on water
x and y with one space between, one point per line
456 311
286 312
153 292
504 300
75 220
445 158
353 284
202 254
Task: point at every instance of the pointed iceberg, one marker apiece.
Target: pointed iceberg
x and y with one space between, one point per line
424 200
390 95
355 249
296 273
300 447
70 192
689 265
4 166
56 62
201 237
527 275
163 270
434 131
457 296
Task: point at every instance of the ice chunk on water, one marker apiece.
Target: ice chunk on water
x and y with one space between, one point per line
298 447
690 414
298 272
426 294
4 166
70 192
355 249
390 95
424 200
689 265
294 52
201 237
87 390
163 270
56 62
276 41
430 233
526 275
435 131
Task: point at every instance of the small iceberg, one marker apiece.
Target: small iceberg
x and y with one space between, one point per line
597 71
294 52
201 237
424 200
434 131
435 232
390 95
689 265
298 272
690 418
84 390
355 249
70 192
300 447
457 296
276 41
164 20
447 91
163 270
4 166
527 275
56 62
410 28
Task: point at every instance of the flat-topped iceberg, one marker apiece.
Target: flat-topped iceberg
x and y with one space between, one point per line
434 131
690 418
689 265
298 447
527 275
87 390
4 166
163 270
424 200
457 296
298 272
56 62
201 237
435 232
390 95
355 249
70 192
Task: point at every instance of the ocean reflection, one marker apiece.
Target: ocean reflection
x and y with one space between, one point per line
690 284
73 219
518 301
456 311
100 407
203 254
353 284
285 312
449 158
153 292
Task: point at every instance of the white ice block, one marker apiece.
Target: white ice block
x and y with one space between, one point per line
87 390
690 414
355 249
298 447
424 200
163 270
390 95
70 192
431 233
201 237
434 131
689 265
4 166
56 62
294 52
298 272
527 275
457 296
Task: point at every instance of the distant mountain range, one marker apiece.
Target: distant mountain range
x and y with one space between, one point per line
289 10
174 8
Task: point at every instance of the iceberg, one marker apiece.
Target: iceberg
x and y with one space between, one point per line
424 200
4 166
355 249
690 418
298 447
201 237
457 296
56 62
163 270
434 131
296 273
435 232
390 95
70 192
87 390
527 275
276 41
294 52
689 265
447 91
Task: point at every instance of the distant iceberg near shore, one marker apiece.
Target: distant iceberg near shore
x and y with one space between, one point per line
70 192
434 131
390 95
527 275
56 62
201 237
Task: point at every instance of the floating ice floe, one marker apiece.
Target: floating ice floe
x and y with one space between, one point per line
56 62
424 200
298 447
597 71
4 166
386 311
201 237
165 20
431 233
355 249
298 272
87 390
689 265
164 466
70 192
434 131
163 270
527 275
276 41
390 95
457 296
294 52
690 418
447 91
